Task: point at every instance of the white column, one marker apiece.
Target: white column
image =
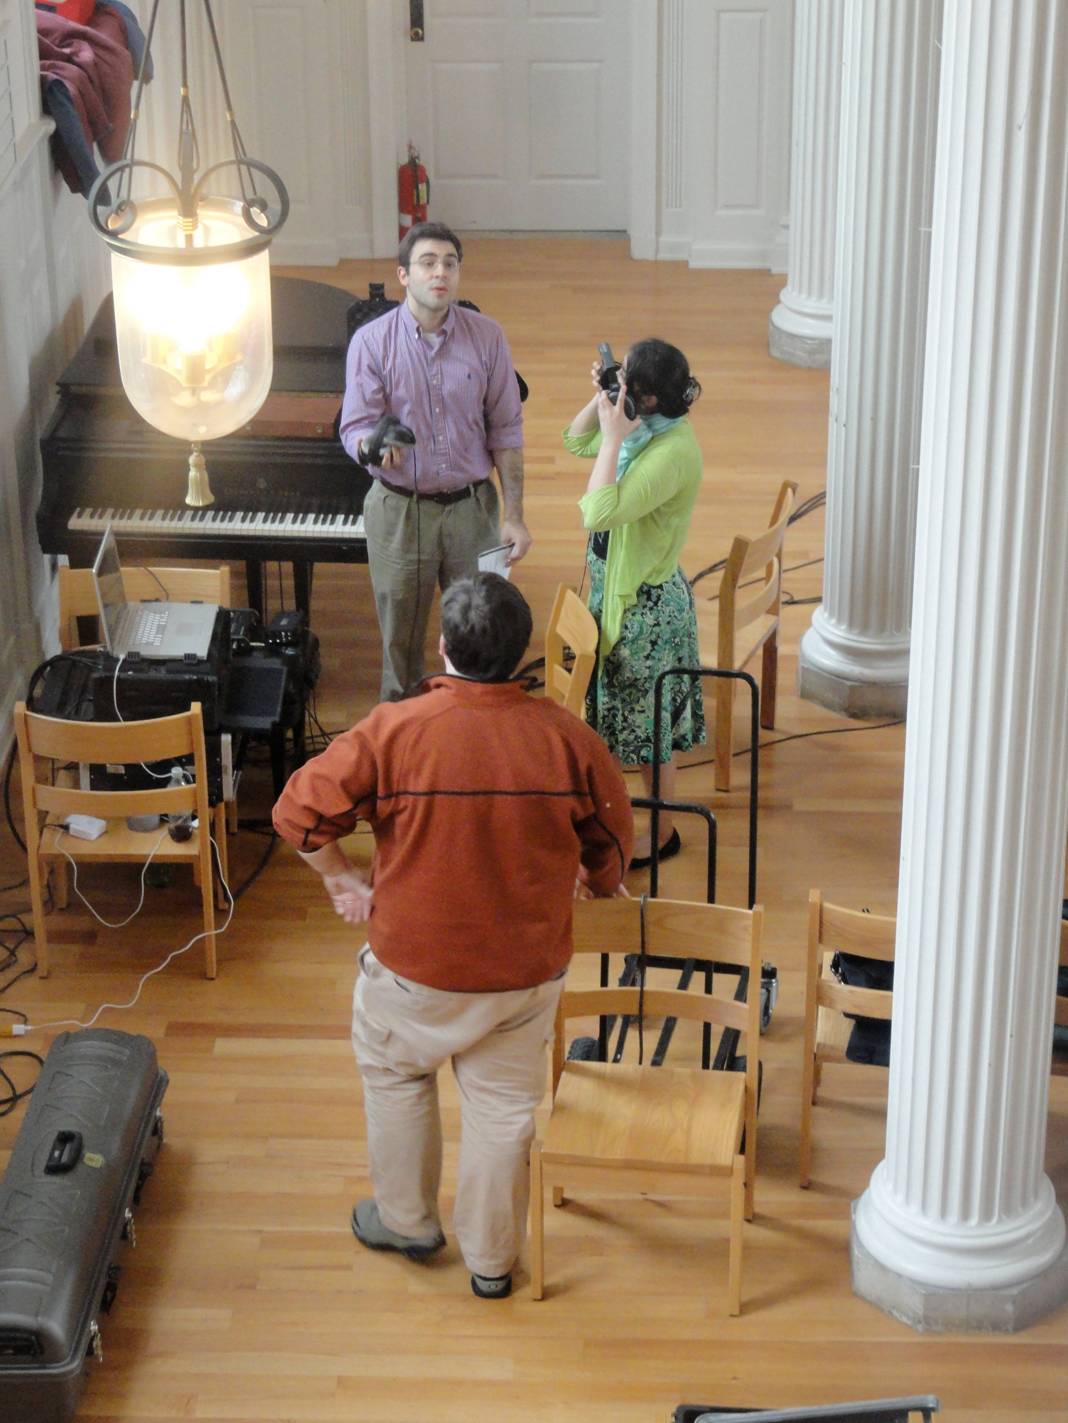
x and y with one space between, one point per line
799 329
959 1227
855 656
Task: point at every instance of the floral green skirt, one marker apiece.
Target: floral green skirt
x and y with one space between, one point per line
659 631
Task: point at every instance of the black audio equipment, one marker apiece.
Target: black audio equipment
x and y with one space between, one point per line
146 687
254 681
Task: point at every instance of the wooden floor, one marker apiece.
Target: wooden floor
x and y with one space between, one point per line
247 1299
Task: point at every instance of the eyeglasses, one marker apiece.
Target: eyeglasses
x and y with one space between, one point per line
430 263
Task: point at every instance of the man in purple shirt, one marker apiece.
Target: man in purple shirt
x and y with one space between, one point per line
445 372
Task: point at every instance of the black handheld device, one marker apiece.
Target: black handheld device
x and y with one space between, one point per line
609 379
388 431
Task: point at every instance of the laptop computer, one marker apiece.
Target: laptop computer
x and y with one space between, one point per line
156 630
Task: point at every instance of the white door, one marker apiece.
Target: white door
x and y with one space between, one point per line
519 110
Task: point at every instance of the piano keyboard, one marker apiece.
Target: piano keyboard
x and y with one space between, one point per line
227 523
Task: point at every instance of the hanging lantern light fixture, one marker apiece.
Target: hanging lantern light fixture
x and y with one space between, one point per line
191 278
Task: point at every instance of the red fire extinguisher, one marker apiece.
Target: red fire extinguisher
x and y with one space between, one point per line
413 191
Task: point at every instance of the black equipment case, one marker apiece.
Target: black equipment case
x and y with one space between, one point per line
91 1133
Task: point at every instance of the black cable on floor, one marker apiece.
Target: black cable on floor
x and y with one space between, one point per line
797 736
10 1099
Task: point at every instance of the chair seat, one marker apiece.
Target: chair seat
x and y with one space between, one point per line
646 1117
119 843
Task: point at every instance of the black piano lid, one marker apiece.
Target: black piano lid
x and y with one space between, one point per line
309 324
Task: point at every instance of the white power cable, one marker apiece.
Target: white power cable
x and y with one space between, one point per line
144 870
21 1029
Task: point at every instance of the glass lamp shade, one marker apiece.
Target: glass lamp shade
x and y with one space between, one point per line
193 323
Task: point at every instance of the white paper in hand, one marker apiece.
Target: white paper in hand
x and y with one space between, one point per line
495 560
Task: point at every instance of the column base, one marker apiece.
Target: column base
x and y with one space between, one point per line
798 350
933 1309
863 700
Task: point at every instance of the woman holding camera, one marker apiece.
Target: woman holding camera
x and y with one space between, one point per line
638 504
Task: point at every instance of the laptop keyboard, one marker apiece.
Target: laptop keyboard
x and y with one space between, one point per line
150 627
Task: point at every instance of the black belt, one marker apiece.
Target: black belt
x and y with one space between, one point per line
449 496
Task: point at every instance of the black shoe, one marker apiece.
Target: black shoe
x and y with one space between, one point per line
491 1286
671 846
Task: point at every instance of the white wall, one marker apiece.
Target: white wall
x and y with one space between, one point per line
52 277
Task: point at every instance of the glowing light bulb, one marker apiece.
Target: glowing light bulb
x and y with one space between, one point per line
194 340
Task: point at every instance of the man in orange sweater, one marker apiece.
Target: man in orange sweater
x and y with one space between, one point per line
487 805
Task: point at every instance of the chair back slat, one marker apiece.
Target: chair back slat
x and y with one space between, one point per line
765 547
672 927
851 931
59 801
121 743
757 604
657 1003
844 998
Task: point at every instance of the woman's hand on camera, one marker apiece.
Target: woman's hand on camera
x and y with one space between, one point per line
595 374
613 418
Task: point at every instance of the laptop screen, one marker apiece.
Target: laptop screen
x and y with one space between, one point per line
107 573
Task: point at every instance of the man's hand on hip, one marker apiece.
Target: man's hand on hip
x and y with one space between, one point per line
350 894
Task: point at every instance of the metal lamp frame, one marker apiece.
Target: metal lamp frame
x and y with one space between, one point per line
114 216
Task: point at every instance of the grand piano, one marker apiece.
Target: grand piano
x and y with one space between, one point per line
284 487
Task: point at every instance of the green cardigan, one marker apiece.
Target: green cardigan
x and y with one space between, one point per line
649 511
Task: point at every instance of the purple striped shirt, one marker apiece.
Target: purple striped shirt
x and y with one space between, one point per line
456 391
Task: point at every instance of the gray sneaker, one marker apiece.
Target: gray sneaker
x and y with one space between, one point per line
368 1229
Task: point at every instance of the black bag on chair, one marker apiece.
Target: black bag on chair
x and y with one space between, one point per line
869 1040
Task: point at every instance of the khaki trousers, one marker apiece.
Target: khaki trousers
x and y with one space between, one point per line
413 544
402 1033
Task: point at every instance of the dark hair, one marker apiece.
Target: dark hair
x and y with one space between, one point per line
486 624
655 368
427 232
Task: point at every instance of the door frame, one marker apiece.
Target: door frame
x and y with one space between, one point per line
387 106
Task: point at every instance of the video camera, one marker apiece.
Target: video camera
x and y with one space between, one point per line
388 432
609 379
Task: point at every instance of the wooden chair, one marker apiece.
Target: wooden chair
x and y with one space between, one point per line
733 627
43 740
77 598
571 624
671 1131
831 929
